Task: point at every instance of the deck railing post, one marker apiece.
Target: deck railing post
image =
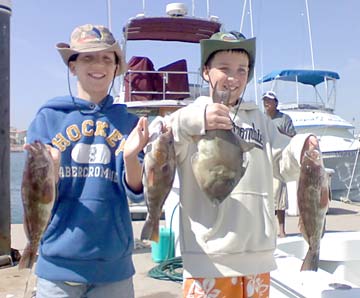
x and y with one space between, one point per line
5 222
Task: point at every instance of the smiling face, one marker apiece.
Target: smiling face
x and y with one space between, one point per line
95 72
228 70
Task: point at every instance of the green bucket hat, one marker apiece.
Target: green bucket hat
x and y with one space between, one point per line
92 38
228 41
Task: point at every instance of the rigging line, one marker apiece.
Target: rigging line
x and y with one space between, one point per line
243 16
310 39
352 176
252 35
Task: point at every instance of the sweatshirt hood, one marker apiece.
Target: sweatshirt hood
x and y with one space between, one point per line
244 105
67 103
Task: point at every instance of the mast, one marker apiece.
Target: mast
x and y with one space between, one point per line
109 14
310 38
252 35
208 8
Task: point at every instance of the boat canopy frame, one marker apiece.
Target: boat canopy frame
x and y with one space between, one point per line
308 77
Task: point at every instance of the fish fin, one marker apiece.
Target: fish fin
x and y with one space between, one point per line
146 230
151 178
301 226
28 258
311 261
246 146
324 228
150 230
196 138
324 197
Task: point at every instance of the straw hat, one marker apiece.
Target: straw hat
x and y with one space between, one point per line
91 38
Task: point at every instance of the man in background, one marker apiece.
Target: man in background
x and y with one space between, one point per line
285 126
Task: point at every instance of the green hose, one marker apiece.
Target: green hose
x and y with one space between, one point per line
170 269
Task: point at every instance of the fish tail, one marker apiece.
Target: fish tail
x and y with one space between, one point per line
28 258
155 232
150 230
311 261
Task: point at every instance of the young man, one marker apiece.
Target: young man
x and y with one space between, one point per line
228 249
285 126
86 250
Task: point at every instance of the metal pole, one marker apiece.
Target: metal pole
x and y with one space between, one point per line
310 38
109 15
352 176
5 223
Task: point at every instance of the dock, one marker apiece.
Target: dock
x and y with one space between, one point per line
13 282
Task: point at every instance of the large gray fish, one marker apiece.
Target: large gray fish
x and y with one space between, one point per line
158 176
218 165
313 202
38 195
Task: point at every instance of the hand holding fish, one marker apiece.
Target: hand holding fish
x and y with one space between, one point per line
217 117
135 142
137 139
56 156
310 145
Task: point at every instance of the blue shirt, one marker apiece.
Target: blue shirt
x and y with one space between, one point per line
89 238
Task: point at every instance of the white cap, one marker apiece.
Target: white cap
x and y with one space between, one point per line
270 94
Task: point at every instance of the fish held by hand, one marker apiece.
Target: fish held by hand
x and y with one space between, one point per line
158 176
38 196
313 202
218 165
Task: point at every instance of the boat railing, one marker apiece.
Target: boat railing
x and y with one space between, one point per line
305 106
161 85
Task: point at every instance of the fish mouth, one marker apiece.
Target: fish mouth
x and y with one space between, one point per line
313 154
221 96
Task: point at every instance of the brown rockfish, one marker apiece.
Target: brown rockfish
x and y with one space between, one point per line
38 195
158 175
218 165
313 202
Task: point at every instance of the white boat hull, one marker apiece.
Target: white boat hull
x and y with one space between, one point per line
346 178
339 148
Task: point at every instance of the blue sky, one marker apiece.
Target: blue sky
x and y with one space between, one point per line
38 73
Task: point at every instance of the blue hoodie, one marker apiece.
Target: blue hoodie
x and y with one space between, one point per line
89 238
